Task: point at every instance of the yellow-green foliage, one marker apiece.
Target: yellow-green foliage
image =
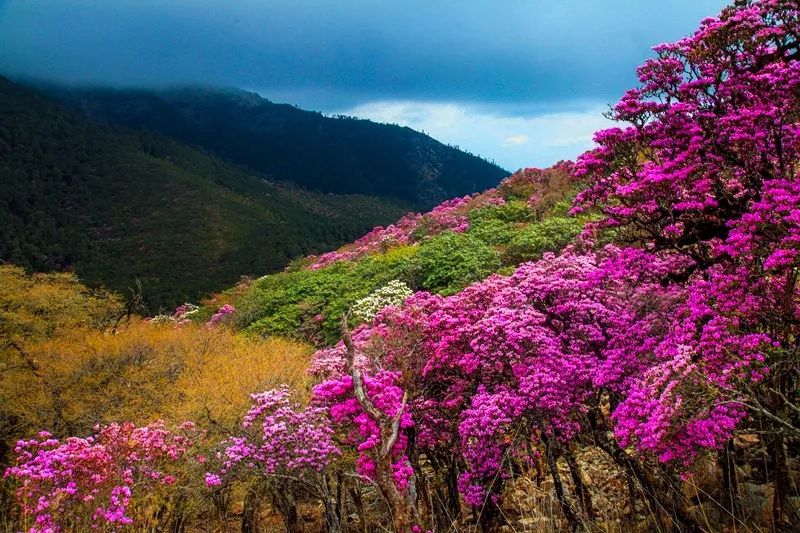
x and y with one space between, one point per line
145 372
38 306
64 369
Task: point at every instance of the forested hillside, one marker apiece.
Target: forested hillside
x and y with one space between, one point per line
339 155
443 251
119 206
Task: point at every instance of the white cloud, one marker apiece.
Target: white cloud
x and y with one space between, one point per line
514 141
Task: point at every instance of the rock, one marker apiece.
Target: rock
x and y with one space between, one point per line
757 501
746 439
744 471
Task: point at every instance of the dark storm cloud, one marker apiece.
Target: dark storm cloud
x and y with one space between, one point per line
328 55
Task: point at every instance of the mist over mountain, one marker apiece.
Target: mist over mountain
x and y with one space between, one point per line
341 155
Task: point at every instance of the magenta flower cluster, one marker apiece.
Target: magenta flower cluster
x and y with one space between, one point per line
223 313
278 436
363 431
675 320
62 482
526 354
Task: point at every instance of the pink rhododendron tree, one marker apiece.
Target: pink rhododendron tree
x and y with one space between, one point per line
369 405
92 482
281 442
515 363
707 167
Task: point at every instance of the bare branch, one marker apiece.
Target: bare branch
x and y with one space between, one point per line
395 428
355 373
28 361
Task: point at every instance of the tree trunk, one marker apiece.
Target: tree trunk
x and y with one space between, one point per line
402 512
489 517
730 483
333 523
251 511
782 483
355 494
659 498
566 508
220 499
581 492
454 498
285 505
446 507
177 519
402 504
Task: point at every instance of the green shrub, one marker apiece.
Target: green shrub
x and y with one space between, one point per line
549 235
512 211
449 262
493 231
497 225
308 304
561 209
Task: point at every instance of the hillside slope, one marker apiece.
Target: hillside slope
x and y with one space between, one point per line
337 155
119 206
459 242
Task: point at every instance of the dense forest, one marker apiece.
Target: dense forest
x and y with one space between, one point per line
342 155
608 344
121 206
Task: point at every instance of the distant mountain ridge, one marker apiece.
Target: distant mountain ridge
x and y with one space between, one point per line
117 206
341 155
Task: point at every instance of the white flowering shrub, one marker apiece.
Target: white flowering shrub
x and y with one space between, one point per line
393 294
180 316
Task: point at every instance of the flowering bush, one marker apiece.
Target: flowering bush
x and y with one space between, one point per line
278 437
223 314
90 482
528 353
716 116
451 215
379 239
181 316
392 294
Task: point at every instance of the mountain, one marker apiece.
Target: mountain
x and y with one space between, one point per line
341 155
117 205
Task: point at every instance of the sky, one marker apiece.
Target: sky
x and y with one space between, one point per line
523 83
